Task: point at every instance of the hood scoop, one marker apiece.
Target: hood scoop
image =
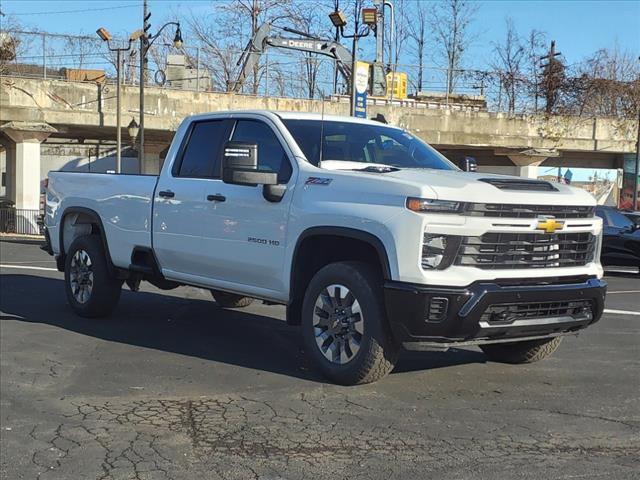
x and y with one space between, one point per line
516 184
378 169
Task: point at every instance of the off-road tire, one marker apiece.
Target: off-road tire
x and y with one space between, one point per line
105 291
230 300
521 352
378 351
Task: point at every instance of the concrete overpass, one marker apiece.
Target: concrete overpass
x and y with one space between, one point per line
70 120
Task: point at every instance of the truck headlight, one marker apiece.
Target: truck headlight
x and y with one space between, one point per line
429 205
433 250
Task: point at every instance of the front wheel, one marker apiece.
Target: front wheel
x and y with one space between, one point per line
345 326
521 352
91 290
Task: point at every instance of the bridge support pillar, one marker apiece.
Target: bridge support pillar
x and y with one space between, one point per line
151 163
23 167
527 164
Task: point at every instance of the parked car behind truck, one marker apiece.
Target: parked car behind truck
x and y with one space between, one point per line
621 238
371 238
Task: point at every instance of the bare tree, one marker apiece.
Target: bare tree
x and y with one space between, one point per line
15 44
226 31
402 32
606 84
417 30
258 12
509 57
216 56
311 21
450 22
534 50
8 50
80 49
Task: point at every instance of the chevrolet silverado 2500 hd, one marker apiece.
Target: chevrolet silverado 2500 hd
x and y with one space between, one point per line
371 238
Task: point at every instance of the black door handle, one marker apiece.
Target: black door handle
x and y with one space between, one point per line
216 198
166 194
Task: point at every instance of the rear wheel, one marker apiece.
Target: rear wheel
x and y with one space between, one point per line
344 324
230 300
91 290
521 352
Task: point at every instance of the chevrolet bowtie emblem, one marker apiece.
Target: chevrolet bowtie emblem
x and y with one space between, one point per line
549 225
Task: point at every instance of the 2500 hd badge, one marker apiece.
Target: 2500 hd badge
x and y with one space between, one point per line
263 241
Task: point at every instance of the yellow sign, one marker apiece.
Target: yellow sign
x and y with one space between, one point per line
397 85
550 225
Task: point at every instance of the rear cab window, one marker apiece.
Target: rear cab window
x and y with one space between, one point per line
200 156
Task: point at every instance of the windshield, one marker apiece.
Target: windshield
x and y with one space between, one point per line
364 143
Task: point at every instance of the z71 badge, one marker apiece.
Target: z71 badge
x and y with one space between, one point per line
318 181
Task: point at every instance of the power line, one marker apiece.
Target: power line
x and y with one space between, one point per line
71 11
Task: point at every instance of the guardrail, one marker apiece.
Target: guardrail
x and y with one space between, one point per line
20 221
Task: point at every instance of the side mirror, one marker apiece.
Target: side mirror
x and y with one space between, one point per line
468 164
240 166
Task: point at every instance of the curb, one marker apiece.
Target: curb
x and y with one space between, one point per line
20 237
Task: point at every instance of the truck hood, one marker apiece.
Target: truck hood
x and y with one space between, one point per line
473 187
462 186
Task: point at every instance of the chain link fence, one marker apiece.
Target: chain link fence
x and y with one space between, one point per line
281 73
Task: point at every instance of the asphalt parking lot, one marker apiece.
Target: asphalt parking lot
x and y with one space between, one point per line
173 387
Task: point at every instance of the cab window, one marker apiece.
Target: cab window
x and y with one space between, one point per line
201 155
271 155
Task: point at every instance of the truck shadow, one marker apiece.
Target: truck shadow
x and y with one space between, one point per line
186 326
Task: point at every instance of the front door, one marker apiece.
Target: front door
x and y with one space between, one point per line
244 234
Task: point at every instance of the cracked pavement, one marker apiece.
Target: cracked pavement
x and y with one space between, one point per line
173 387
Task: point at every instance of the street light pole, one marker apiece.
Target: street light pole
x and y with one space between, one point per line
339 21
106 37
354 63
118 120
143 59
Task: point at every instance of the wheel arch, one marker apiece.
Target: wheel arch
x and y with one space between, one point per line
85 221
343 244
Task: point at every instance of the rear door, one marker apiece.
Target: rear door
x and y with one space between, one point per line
180 201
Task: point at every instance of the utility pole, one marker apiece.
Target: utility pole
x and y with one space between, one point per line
146 40
254 28
636 167
336 5
553 71
143 59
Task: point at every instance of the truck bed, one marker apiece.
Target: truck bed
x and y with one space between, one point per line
122 202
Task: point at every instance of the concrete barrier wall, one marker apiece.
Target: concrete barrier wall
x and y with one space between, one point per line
74 103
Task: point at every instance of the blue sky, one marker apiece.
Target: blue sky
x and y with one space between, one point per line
579 27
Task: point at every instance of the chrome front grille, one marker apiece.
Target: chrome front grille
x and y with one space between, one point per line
501 210
493 251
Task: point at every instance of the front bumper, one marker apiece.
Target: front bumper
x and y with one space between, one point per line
486 312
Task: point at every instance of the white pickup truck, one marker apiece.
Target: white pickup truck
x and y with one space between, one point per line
372 239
